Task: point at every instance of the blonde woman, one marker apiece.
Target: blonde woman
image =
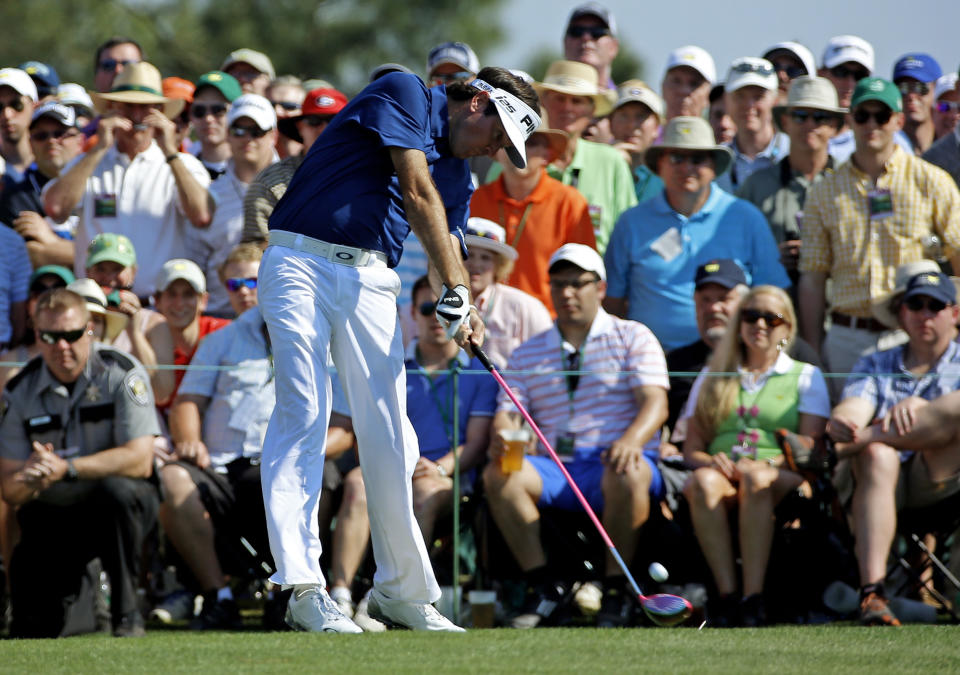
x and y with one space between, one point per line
730 444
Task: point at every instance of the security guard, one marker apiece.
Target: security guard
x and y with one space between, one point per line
76 449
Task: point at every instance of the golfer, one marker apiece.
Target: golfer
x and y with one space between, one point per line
391 160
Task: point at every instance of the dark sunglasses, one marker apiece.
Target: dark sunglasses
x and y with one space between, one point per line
596 32
880 116
760 68
234 285
575 284
919 88
199 110
754 315
818 116
41 136
842 73
791 71
317 120
947 106
16 104
108 65
448 78
52 337
695 158
286 105
427 308
39 287
253 132
918 303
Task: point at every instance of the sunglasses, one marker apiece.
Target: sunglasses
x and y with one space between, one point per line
947 106
253 132
108 65
234 285
752 316
39 287
52 337
694 158
575 284
596 32
447 78
760 68
286 105
427 308
919 88
881 117
16 104
818 116
199 110
317 120
842 73
919 303
41 136
791 71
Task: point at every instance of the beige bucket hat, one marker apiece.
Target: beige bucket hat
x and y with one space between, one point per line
575 79
97 304
139 83
813 92
689 133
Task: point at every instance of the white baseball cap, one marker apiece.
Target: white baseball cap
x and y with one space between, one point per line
457 53
19 81
181 268
519 120
582 256
804 55
71 93
751 71
693 57
944 84
637 91
58 112
256 107
845 48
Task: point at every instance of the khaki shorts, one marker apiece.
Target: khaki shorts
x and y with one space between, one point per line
914 487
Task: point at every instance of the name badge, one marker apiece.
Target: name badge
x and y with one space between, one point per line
105 205
668 245
880 203
564 445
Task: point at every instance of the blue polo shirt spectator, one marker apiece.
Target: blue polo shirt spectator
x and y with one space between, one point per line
15 271
654 253
430 407
338 193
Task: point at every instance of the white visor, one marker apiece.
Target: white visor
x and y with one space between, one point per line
519 120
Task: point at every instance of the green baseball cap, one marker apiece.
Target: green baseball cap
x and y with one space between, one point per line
113 247
877 89
219 80
57 270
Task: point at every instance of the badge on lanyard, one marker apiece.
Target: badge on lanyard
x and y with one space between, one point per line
880 203
105 205
565 443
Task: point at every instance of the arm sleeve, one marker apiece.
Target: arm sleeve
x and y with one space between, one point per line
136 414
203 381
814 397
395 109
945 199
20 261
617 256
197 170
862 382
645 359
484 402
14 443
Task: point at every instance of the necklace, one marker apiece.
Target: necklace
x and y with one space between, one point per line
747 418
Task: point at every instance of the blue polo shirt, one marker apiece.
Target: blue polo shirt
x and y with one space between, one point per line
347 192
430 402
654 253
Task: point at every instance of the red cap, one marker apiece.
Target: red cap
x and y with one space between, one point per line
177 87
323 102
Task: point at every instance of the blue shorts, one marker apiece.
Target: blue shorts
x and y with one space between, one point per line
587 473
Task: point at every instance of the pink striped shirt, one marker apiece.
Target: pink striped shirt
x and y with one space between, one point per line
621 354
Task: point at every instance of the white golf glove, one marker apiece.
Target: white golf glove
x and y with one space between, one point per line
453 308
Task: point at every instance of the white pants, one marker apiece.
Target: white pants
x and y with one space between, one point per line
313 309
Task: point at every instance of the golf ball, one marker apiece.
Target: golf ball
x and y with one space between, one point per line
658 572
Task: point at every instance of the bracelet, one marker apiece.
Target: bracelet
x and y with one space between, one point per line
442 471
172 157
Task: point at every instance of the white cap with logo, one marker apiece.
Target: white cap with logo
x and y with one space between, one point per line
181 268
19 81
693 57
846 48
256 107
582 256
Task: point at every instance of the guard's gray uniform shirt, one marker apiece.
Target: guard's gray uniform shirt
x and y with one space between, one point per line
110 404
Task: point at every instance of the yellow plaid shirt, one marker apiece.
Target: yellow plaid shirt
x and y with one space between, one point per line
861 255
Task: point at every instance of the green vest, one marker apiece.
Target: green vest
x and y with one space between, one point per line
776 407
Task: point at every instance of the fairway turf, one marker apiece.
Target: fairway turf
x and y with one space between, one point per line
782 649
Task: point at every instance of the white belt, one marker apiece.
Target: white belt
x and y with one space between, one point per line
343 255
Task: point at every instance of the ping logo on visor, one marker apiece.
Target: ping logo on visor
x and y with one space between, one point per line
519 120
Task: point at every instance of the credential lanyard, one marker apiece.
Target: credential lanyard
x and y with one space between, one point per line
522 224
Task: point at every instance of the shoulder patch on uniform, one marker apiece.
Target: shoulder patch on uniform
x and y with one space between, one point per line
32 366
137 387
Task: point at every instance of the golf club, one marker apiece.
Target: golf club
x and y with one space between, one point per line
663 609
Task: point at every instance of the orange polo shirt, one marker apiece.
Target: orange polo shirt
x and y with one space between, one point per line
556 214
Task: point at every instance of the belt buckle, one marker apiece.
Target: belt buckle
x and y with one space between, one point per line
344 255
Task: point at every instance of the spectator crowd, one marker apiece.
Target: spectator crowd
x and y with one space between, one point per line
721 296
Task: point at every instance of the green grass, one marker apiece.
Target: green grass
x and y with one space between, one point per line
786 649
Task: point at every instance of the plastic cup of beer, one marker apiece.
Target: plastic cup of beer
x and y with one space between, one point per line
516 441
482 608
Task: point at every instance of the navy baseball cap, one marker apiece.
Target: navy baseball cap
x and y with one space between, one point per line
723 271
934 285
43 75
918 66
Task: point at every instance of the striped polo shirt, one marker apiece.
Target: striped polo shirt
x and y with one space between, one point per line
617 356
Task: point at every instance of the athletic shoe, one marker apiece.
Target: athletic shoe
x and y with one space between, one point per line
753 612
311 609
362 617
616 609
408 615
875 611
176 606
217 614
540 607
129 626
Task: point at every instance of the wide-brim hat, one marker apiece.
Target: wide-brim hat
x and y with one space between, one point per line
575 79
813 92
138 83
885 307
484 233
97 304
689 133
558 138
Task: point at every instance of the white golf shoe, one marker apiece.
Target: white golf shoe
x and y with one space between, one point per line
311 609
408 615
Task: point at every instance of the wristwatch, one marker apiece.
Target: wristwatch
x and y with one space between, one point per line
72 475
